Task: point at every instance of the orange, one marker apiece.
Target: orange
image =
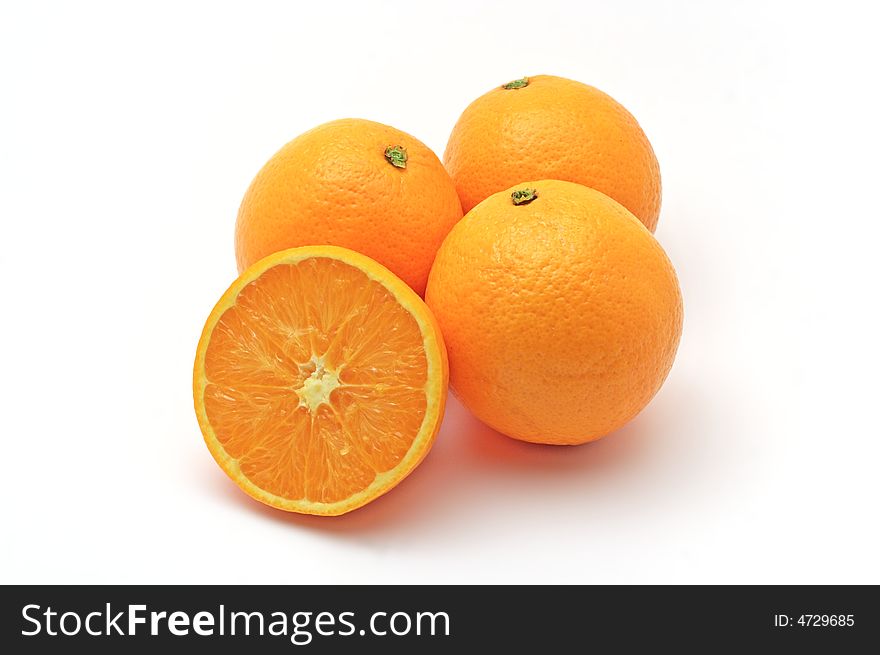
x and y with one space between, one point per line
351 183
560 311
319 381
547 127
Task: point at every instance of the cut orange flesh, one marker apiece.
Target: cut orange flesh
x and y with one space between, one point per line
320 380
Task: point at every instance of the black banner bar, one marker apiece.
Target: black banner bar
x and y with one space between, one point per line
323 619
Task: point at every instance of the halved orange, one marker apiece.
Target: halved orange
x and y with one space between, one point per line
320 380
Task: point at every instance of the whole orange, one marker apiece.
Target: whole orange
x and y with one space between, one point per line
560 311
356 184
547 127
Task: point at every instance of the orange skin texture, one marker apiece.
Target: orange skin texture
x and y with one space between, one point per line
333 186
559 129
561 316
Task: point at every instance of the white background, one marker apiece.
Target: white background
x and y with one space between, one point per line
129 135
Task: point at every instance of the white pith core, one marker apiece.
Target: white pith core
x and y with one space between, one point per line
316 388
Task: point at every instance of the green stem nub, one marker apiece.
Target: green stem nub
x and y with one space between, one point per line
396 156
523 196
516 84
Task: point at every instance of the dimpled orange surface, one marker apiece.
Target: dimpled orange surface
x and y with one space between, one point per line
561 315
320 380
351 183
547 127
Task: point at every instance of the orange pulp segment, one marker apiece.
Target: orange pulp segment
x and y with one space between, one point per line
320 380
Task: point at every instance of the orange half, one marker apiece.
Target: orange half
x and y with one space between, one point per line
320 380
